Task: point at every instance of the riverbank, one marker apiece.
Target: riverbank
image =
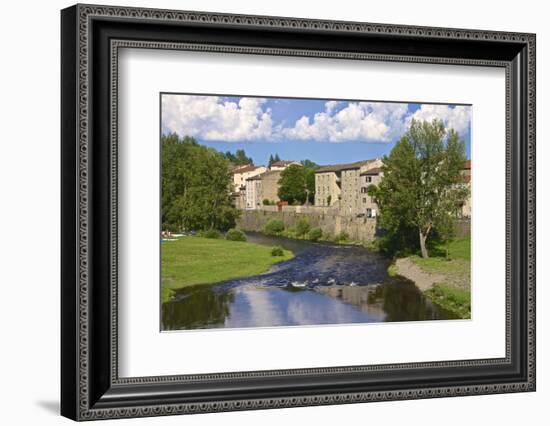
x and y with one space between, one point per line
195 260
444 278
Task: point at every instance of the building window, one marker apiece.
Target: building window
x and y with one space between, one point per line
364 201
368 179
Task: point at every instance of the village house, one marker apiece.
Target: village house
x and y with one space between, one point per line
240 175
371 176
270 186
253 188
340 186
263 185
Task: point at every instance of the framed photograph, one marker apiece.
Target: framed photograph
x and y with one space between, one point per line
263 212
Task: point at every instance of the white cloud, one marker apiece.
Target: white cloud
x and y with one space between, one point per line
358 121
211 118
457 117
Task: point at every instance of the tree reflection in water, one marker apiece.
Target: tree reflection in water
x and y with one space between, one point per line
402 301
196 307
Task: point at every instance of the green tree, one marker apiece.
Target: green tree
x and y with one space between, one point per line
297 185
422 189
271 161
310 164
239 158
196 186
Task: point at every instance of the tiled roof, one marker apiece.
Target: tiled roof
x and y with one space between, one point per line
467 165
371 172
283 163
341 167
245 168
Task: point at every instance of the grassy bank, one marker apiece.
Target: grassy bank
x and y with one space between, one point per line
449 265
195 260
452 298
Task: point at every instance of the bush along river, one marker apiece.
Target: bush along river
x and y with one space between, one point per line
323 284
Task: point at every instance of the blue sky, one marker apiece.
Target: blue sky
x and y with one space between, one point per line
323 131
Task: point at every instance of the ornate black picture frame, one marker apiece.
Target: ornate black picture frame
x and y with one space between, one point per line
91 36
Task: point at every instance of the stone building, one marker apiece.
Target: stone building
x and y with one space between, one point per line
368 177
253 191
270 186
240 175
339 186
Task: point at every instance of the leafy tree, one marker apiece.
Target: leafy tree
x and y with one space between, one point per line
422 190
310 164
239 158
297 185
196 186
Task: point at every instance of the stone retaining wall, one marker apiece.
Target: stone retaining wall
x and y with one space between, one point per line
358 228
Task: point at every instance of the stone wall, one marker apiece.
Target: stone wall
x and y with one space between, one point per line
358 228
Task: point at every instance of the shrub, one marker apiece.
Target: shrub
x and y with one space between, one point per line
342 236
267 202
277 251
235 235
274 227
314 234
209 233
302 227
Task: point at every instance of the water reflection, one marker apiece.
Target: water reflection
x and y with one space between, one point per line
197 308
323 284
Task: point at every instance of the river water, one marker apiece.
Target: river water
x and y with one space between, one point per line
323 284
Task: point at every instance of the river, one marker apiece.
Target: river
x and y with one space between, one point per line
323 284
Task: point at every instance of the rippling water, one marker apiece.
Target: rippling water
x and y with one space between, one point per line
323 284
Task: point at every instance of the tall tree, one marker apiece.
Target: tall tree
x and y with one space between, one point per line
196 186
297 185
422 188
271 161
241 159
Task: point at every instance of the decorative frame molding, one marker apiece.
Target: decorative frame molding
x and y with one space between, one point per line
91 37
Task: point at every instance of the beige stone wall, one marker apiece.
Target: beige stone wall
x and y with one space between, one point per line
326 184
349 204
239 179
270 185
331 223
358 229
253 194
366 201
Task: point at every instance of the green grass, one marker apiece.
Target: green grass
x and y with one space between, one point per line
392 270
195 260
449 297
459 248
457 264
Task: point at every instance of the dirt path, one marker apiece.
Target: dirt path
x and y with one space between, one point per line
423 280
